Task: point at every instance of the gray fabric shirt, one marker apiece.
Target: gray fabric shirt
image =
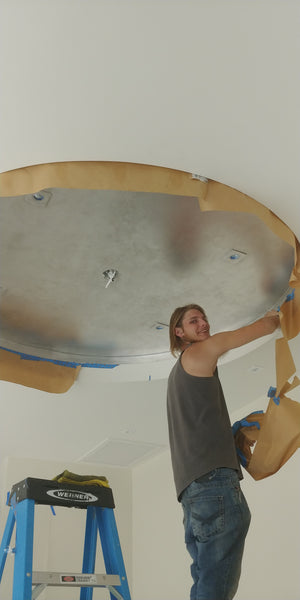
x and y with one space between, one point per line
200 432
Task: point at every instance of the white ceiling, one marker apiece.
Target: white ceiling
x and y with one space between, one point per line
210 87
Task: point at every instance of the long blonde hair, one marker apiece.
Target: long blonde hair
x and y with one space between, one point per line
176 321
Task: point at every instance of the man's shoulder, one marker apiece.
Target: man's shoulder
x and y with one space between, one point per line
199 359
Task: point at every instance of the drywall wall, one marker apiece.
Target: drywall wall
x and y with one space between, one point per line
58 540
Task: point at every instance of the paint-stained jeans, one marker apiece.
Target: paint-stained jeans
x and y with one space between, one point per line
216 521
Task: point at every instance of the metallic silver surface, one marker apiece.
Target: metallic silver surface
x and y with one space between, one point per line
55 301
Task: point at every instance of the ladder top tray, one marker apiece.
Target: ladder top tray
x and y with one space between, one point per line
46 491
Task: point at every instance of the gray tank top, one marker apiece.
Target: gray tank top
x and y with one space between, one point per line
200 432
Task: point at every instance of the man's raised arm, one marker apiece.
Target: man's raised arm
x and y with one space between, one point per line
227 340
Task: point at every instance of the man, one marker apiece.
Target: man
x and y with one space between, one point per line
205 464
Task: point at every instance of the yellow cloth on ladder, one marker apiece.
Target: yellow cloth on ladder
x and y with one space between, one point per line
75 479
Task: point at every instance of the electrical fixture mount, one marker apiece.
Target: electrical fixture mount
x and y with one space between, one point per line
110 276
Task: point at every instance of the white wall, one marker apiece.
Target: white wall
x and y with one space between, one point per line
160 561
58 540
272 556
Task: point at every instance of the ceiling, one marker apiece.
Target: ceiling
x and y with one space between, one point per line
216 94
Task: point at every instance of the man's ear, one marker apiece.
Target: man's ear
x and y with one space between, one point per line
179 332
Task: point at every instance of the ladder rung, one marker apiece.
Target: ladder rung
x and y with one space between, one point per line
67 579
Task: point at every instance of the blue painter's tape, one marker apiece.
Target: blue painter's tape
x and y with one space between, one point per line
271 394
62 363
235 427
244 423
39 359
250 423
242 457
290 296
95 365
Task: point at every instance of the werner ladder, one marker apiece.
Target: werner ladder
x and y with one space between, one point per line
99 504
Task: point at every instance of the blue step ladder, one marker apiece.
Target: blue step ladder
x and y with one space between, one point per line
99 504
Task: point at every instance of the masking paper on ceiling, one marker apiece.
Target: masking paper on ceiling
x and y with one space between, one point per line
44 376
137 178
275 433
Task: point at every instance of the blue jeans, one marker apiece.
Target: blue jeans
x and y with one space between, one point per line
216 521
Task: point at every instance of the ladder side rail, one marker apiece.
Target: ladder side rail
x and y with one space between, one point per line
22 582
89 552
111 549
9 527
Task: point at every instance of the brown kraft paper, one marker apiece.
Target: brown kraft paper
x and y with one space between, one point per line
41 375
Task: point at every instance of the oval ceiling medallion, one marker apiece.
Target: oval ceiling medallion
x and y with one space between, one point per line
91 276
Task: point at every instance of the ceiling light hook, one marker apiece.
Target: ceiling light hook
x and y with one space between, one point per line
110 275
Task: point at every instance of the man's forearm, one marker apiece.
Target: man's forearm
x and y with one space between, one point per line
222 342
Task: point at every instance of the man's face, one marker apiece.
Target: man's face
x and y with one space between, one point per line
194 328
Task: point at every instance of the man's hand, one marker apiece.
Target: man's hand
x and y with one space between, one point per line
273 314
